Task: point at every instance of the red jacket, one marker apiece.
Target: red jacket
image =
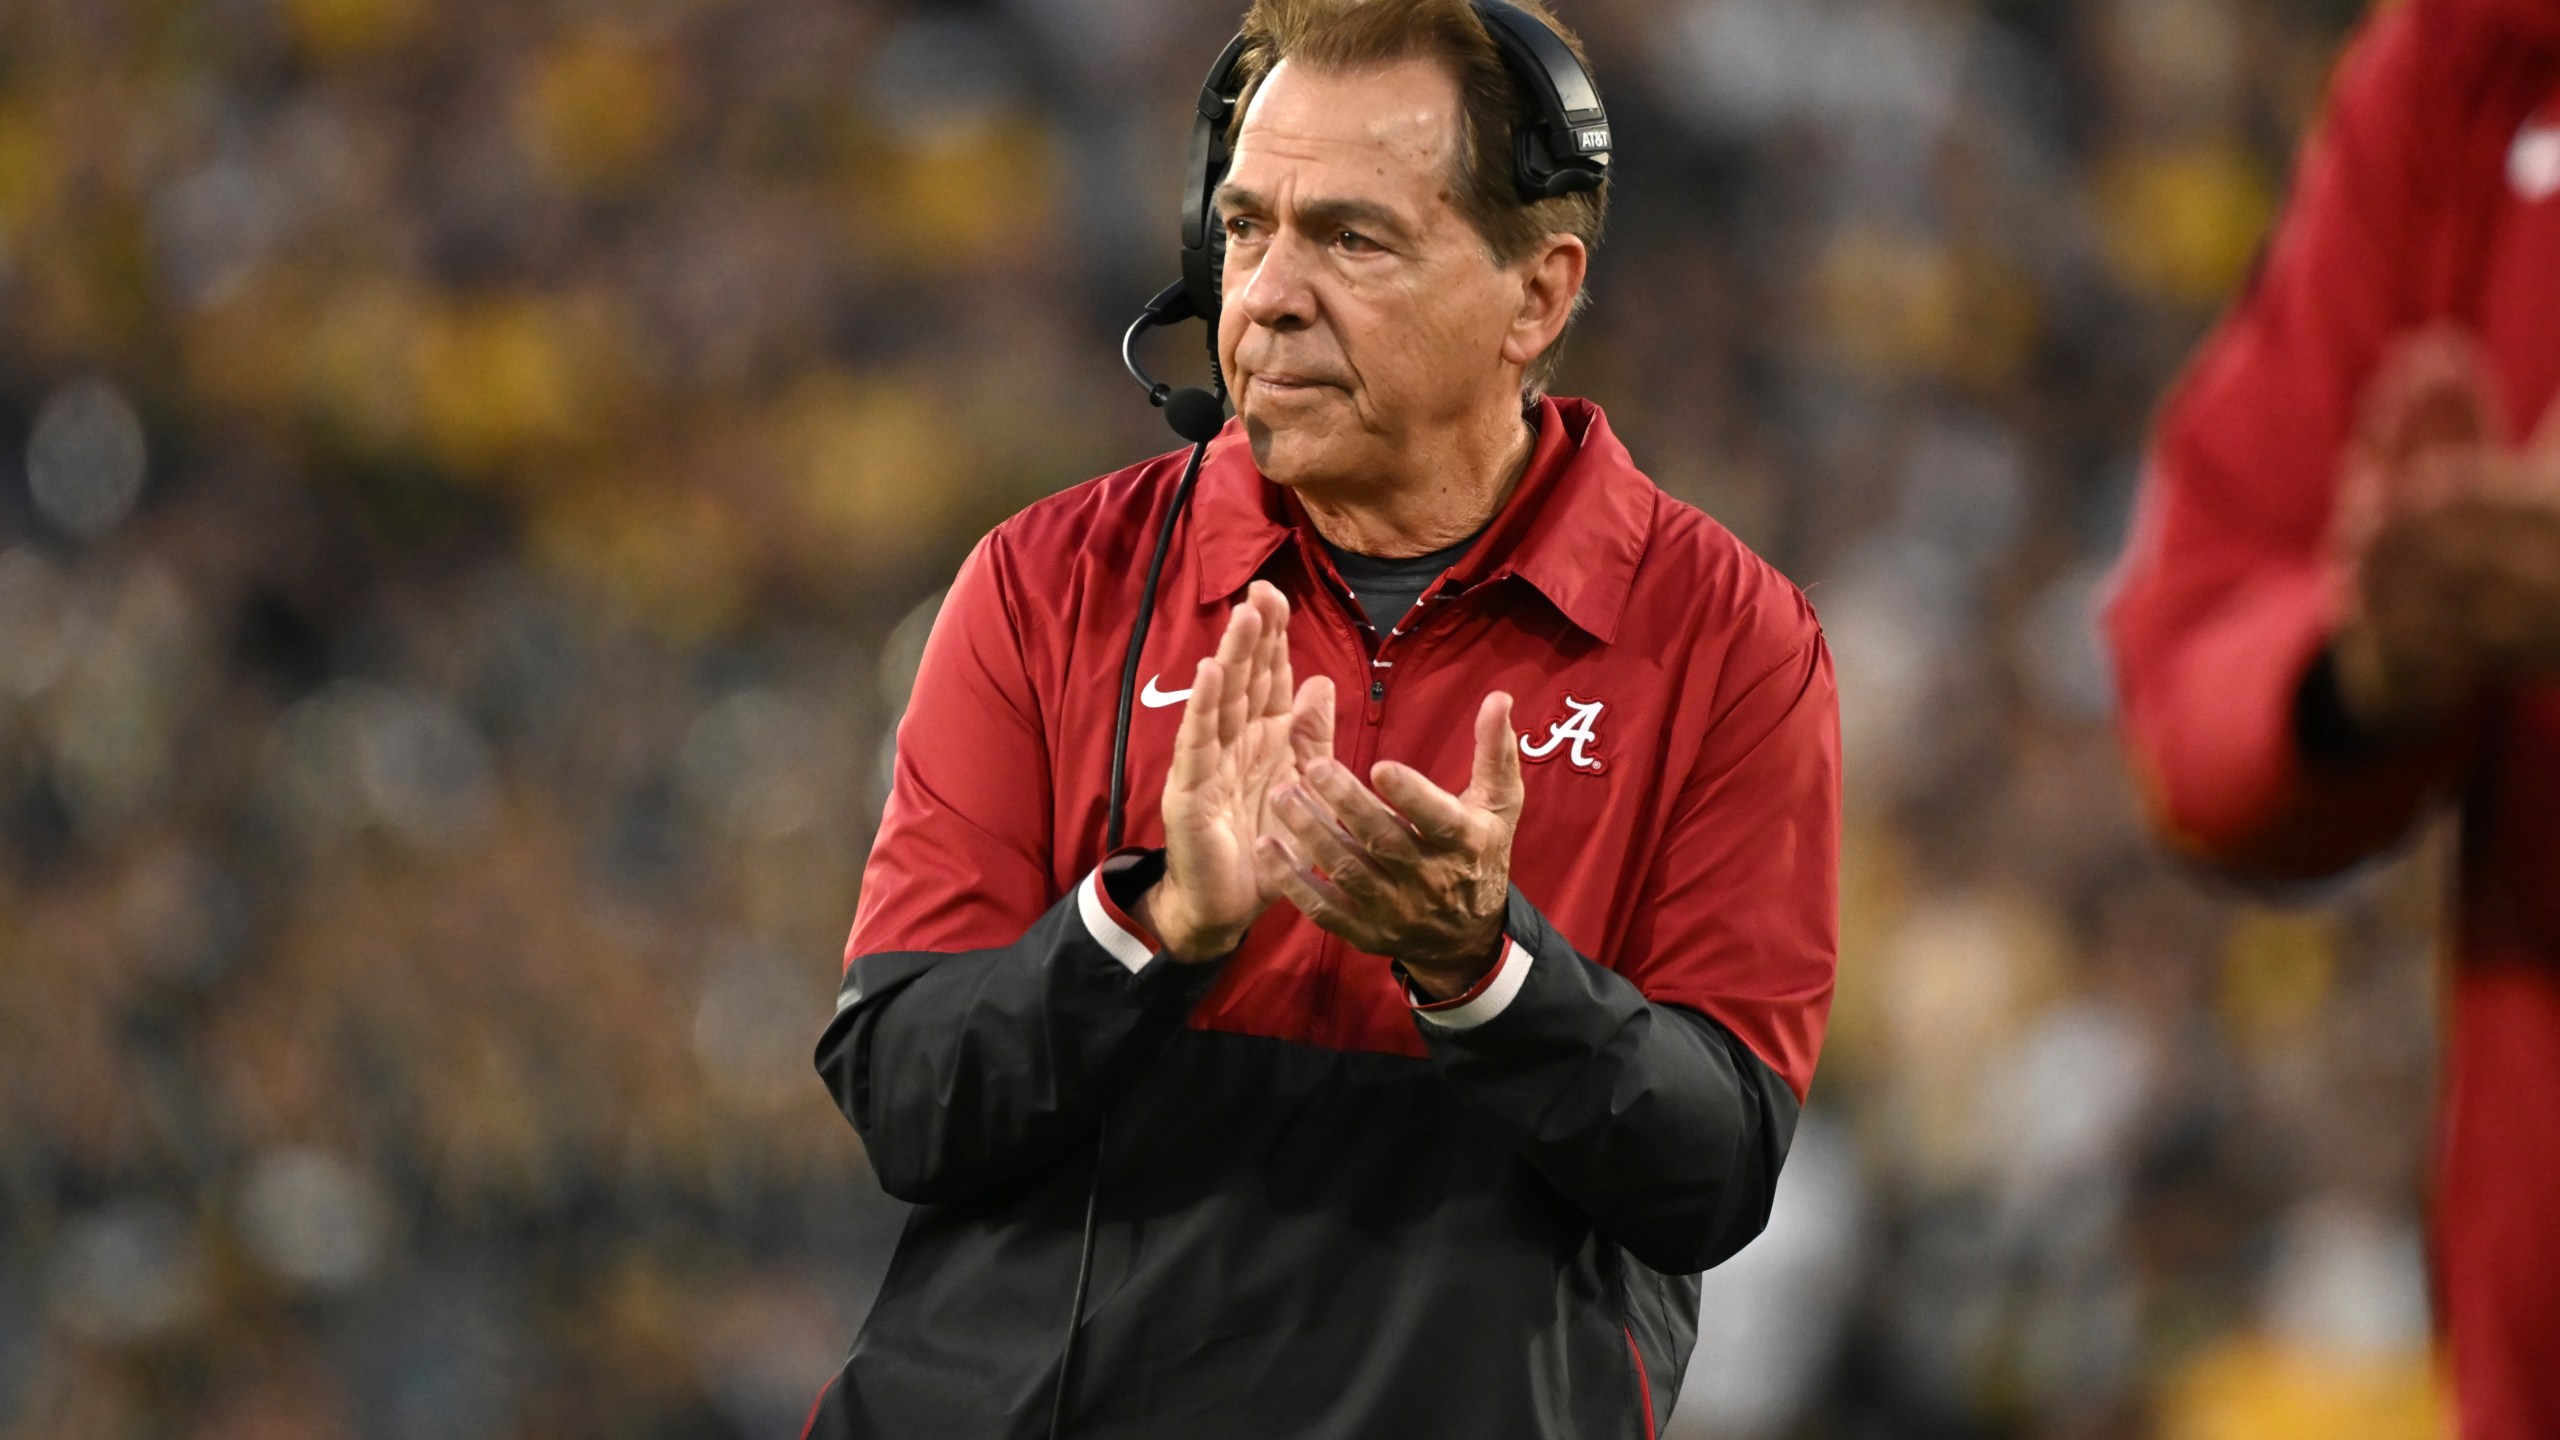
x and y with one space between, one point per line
2430 193
1321 1212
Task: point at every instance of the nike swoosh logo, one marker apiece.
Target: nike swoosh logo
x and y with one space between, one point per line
1155 699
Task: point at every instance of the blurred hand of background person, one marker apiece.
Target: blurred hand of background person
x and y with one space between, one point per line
2453 533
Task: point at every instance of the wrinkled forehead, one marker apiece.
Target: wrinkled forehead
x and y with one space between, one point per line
1386 132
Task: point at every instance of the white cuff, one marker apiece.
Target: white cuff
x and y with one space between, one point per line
1126 948
1509 974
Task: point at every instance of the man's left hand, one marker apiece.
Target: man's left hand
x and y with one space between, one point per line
1406 870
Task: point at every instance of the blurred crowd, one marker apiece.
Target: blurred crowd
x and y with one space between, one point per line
474 479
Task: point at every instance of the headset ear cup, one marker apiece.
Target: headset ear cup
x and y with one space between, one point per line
1204 270
1541 177
1217 300
1204 240
1532 168
1564 149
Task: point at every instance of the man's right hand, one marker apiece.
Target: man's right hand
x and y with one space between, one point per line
2454 536
1233 750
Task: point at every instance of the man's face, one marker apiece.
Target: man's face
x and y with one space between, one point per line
1363 316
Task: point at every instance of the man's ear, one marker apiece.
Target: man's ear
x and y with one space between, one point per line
1551 280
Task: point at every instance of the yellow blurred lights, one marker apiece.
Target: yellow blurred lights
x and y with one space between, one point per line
869 467
2183 223
499 378
2277 972
599 107
343 29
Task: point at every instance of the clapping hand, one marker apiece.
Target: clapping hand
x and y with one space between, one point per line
1406 870
1231 754
2453 534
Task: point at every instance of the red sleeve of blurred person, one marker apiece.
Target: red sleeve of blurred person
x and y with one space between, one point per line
2234 580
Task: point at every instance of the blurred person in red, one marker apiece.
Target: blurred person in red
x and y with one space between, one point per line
2341 602
1404 1071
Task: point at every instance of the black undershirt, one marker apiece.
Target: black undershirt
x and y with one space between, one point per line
1387 587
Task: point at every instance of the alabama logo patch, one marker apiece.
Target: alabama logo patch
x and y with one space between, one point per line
1576 737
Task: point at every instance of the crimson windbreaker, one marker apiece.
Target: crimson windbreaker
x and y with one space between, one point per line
2430 193
1318 1210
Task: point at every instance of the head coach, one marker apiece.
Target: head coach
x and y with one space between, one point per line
1452 1003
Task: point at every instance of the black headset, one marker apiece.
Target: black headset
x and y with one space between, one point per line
1562 150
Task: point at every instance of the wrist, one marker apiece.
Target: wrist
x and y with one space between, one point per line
2387 699
1439 978
1185 939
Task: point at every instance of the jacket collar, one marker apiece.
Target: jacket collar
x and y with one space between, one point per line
1574 528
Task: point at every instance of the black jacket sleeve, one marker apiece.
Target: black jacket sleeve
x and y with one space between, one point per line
1652 1118
970 1070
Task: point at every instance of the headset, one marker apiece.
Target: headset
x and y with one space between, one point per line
1561 150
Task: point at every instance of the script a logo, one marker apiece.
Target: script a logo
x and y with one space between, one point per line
1573 735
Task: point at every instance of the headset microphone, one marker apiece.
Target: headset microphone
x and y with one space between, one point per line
1195 414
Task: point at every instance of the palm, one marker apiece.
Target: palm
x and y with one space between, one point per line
1221 817
1233 749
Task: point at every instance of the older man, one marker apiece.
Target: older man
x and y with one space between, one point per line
1431 1059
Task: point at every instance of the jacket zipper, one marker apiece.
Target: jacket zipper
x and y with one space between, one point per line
1366 642
1364 754
1331 951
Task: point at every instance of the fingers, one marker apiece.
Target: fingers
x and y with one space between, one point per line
1311 721
1267 684
2505 584
2432 390
1370 821
1195 745
1258 682
2434 479
1257 687
1315 835
1293 880
2545 443
2521 487
1236 658
1496 782
1440 818
1273 698
1275 622
2537 477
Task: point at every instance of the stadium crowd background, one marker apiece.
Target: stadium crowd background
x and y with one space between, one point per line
474 477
